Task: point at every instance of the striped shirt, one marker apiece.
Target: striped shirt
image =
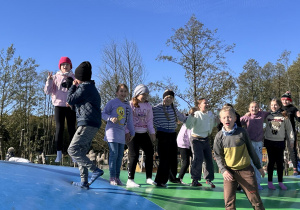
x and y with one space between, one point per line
161 115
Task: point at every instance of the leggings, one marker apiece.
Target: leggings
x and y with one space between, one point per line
143 141
275 154
60 114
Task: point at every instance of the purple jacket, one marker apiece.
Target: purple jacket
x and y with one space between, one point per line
115 132
183 137
254 124
53 87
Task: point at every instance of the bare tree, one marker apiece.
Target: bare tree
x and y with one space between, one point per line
202 56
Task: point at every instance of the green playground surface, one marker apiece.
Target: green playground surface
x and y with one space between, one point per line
177 196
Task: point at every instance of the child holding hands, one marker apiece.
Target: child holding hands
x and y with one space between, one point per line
278 128
233 151
143 122
118 114
253 121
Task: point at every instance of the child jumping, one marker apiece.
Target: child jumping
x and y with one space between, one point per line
201 123
84 96
57 85
253 121
118 114
278 128
233 151
143 122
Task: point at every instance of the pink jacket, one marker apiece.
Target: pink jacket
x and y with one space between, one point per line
183 137
53 87
143 118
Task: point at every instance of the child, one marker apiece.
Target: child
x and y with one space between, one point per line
118 114
84 96
253 121
201 123
293 114
238 121
143 122
278 128
57 85
233 151
165 120
184 146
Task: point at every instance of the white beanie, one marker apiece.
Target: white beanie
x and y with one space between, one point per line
140 89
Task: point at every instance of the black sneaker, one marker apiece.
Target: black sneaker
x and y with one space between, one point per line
83 185
161 185
95 175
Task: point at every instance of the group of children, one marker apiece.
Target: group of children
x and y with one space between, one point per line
236 150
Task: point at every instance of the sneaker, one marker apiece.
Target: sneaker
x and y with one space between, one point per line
295 173
161 185
112 181
181 182
195 183
95 175
131 183
118 181
282 186
271 186
210 183
150 181
83 185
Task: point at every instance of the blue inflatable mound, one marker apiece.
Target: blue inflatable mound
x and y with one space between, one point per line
33 186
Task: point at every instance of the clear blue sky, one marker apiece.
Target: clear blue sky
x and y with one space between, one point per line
48 29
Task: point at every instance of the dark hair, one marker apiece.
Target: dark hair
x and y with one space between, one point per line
122 85
200 100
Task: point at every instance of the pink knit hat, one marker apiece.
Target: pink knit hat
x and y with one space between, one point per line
64 60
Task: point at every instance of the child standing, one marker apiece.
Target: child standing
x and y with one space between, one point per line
201 123
57 85
253 121
277 129
165 120
143 122
293 113
184 146
86 99
118 114
233 151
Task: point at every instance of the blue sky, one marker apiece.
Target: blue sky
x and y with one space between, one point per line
48 29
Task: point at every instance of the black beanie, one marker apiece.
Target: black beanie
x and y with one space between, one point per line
84 71
168 92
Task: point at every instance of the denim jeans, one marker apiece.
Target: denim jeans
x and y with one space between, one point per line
116 152
258 150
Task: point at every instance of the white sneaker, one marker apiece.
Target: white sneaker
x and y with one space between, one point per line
131 183
150 181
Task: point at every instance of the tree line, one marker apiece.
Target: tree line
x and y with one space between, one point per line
27 116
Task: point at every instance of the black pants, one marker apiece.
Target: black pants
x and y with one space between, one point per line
294 152
60 114
275 155
143 141
167 152
185 154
